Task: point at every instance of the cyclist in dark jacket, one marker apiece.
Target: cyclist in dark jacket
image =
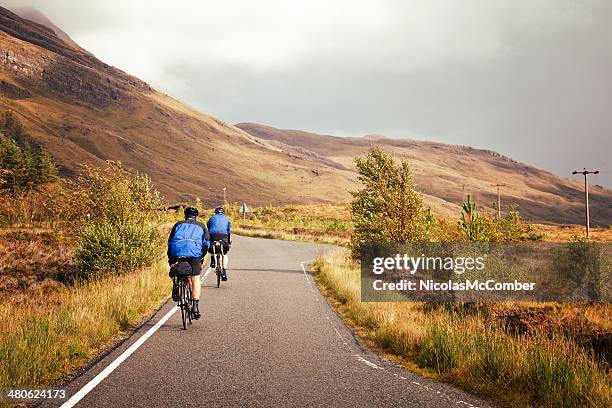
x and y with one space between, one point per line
219 227
189 241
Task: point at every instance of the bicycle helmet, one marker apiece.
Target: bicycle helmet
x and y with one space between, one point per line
191 212
219 210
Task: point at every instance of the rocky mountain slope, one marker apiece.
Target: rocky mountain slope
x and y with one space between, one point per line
85 111
30 13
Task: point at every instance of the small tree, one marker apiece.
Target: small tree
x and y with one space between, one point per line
472 225
23 166
388 208
45 170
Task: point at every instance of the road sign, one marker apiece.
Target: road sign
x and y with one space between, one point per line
244 209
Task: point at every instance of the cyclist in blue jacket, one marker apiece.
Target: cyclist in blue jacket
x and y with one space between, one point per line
189 240
219 227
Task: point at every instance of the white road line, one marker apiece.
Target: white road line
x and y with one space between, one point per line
206 274
312 288
340 336
368 363
306 275
112 366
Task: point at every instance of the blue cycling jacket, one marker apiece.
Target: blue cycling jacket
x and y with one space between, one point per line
219 224
189 238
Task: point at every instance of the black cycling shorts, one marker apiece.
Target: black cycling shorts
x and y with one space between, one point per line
196 264
225 246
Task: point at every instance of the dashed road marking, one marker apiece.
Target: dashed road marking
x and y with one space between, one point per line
368 363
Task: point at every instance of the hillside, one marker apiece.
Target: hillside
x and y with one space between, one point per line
85 111
440 170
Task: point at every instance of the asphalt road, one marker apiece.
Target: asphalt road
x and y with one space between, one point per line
266 338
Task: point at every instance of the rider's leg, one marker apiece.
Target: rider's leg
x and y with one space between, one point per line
196 267
224 266
195 287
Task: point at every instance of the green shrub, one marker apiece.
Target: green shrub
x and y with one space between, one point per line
510 228
120 231
475 227
106 247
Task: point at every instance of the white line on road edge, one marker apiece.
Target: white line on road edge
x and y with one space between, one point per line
306 275
312 288
369 363
112 366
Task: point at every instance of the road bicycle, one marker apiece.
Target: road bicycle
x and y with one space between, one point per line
182 278
218 256
184 301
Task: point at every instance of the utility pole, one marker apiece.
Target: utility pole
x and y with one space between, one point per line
586 173
462 185
498 198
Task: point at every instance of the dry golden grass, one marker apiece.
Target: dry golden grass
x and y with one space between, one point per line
46 336
285 236
564 233
544 368
325 223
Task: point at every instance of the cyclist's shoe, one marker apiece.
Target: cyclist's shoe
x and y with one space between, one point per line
175 290
224 275
196 309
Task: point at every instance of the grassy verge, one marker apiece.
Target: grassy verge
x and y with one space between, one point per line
44 337
325 223
302 236
547 369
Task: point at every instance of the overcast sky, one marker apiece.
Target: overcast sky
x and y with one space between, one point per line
529 79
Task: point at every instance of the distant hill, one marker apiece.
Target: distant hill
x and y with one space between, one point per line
85 111
441 170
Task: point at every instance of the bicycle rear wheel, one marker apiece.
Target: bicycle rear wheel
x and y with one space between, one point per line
190 310
218 270
183 295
